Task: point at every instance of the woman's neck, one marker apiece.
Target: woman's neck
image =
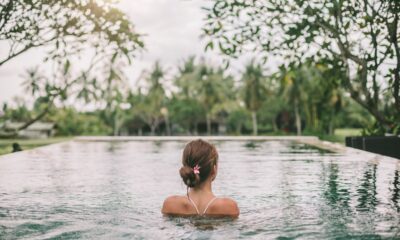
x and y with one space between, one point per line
203 188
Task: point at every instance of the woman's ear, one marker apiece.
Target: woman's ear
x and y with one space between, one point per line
215 171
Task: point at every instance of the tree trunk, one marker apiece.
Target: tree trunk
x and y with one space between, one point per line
27 124
331 126
239 129
315 118
308 115
373 110
196 130
393 28
297 116
254 119
115 131
116 125
153 129
208 119
363 100
167 127
274 126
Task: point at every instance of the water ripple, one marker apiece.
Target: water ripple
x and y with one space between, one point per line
285 190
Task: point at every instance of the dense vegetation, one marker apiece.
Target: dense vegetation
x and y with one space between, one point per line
203 99
340 68
358 42
67 29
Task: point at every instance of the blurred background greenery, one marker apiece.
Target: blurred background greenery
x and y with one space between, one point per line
340 74
203 99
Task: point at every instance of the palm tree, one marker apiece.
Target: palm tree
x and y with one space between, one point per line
185 107
332 97
292 83
254 91
113 91
210 87
213 90
186 80
151 105
317 91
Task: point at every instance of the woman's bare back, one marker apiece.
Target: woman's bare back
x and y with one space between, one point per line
182 206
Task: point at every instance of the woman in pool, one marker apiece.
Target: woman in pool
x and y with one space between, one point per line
200 167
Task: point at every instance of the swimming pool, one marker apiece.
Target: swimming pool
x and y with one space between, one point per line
114 189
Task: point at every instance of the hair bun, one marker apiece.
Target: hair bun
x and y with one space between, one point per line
189 177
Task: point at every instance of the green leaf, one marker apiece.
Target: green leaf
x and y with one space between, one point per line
67 66
210 46
114 57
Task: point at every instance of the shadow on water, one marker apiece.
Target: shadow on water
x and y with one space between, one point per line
367 190
201 223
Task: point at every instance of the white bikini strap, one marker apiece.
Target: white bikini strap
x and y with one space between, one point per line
209 203
194 205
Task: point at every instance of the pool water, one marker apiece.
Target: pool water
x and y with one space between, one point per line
115 190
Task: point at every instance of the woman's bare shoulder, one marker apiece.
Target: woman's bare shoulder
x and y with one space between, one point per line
225 207
174 205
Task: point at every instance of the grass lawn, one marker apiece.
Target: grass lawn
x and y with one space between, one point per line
6 144
341 133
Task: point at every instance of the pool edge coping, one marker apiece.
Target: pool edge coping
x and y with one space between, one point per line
188 138
310 140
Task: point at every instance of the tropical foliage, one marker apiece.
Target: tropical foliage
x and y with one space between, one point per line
68 29
340 68
356 40
198 99
253 90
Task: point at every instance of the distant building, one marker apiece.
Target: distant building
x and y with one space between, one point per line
36 130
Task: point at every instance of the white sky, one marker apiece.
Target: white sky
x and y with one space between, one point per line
172 29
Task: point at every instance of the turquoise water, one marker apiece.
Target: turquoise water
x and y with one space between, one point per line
114 190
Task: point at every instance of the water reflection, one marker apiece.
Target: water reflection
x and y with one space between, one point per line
367 190
113 147
396 191
158 145
309 149
250 145
337 209
115 190
335 194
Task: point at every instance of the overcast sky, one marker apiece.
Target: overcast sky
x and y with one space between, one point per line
172 28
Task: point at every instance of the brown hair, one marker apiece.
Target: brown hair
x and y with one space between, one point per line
201 153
